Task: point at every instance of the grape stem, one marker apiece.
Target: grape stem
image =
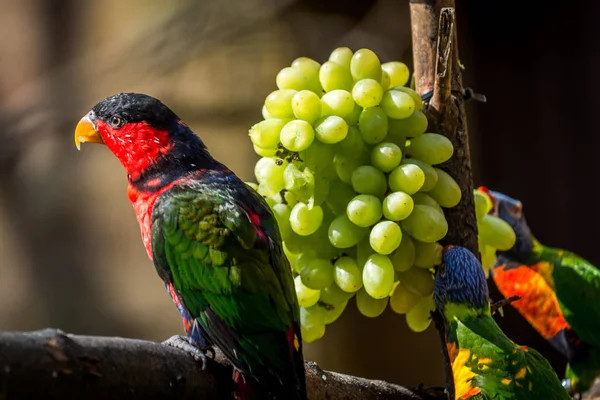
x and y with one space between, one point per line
497 306
438 70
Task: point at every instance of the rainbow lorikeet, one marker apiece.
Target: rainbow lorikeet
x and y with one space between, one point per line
560 294
486 364
213 241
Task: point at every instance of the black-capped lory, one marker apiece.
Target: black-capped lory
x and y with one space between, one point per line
213 241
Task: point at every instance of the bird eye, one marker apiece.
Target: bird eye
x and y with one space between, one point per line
442 270
116 122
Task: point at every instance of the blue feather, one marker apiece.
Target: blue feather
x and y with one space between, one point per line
460 279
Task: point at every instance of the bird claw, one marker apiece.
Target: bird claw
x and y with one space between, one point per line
183 343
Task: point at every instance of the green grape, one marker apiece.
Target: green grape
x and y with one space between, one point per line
367 93
363 252
407 178
279 103
306 296
385 80
403 300
343 233
373 125
317 273
334 312
292 257
352 118
368 306
321 191
333 295
303 259
364 210
488 258
307 65
431 176
396 138
446 192
333 76
425 223
269 175
415 96
337 102
483 204
430 148
398 73
496 232
329 171
346 163
386 156
385 237
292 78
419 317
347 275
352 142
282 215
312 323
300 182
265 134
340 195
417 280
368 180
365 64
270 201
397 104
404 257
265 113
297 135
264 152
298 244
306 106
318 156
254 186
427 255
412 126
304 220
378 276
341 56
426 200
331 129
397 206
311 69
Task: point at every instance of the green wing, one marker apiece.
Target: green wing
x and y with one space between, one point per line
488 365
226 264
577 286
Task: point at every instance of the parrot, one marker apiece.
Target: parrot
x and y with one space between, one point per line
559 290
213 241
486 364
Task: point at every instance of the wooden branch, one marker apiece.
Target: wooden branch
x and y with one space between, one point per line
435 51
497 306
50 364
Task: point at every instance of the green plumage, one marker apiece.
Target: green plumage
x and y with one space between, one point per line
224 259
577 286
488 365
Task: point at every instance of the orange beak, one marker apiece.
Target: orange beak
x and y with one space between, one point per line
86 132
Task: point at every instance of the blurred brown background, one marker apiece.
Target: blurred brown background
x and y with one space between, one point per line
70 251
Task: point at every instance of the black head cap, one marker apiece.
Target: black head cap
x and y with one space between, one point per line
136 107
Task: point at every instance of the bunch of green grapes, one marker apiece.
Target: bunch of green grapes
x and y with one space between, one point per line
348 170
494 233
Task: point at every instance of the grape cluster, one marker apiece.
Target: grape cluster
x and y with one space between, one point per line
348 169
494 233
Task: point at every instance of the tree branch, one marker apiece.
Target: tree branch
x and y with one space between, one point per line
50 364
435 53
